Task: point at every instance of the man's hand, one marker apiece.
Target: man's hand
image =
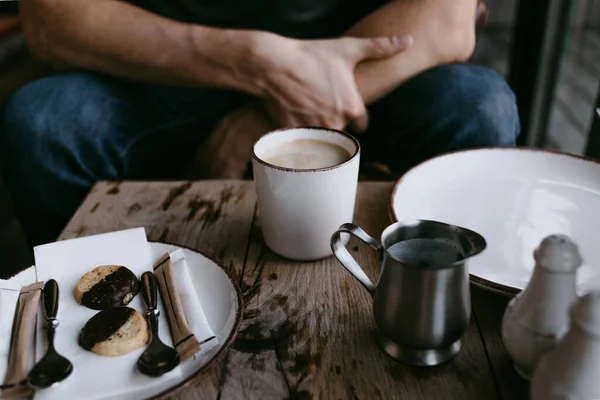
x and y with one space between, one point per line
305 83
228 149
311 82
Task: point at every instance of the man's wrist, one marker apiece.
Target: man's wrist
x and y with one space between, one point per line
241 59
261 59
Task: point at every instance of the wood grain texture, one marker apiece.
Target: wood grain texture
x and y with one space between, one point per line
307 331
253 370
489 309
312 329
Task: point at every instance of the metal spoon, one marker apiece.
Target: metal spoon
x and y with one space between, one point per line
158 358
53 367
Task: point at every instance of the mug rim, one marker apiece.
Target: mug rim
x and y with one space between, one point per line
315 128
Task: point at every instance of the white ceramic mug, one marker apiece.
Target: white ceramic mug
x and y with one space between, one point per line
301 208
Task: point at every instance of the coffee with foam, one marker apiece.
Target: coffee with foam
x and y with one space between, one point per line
306 154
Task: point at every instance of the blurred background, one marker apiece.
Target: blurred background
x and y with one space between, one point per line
549 51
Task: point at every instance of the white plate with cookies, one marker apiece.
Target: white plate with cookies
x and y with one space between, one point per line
100 375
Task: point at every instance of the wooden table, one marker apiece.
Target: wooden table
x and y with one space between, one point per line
307 331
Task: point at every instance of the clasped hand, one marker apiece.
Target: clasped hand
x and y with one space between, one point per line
303 83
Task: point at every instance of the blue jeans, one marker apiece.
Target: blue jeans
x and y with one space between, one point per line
61 134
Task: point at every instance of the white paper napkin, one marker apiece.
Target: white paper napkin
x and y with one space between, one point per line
96 376
9 294
194 313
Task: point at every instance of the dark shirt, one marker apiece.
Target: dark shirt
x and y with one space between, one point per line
292 18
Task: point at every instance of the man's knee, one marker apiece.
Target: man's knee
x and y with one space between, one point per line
52 133
53 122
480 103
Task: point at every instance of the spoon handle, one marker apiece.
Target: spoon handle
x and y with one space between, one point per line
51 299
51 309
149 292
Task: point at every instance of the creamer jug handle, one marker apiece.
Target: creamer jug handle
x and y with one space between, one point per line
345 258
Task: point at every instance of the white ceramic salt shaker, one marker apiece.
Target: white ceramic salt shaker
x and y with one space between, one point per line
572 369
538 317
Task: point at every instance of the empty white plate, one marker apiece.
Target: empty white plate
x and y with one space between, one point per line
514 197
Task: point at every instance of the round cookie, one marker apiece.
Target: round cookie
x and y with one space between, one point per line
114 332
107 286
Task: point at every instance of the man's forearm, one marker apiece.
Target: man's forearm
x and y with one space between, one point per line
443 32
120 39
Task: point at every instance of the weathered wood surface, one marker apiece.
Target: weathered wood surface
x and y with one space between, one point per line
487 310
307 329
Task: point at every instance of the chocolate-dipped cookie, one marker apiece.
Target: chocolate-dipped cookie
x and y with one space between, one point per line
114 332
107 286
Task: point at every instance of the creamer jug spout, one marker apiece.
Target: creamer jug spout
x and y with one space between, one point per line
471 242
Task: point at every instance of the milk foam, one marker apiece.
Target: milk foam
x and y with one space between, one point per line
306 154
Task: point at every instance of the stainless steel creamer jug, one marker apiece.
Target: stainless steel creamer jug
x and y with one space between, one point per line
421 303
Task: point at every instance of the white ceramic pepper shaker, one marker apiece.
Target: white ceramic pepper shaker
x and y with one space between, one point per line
572 369
538 317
